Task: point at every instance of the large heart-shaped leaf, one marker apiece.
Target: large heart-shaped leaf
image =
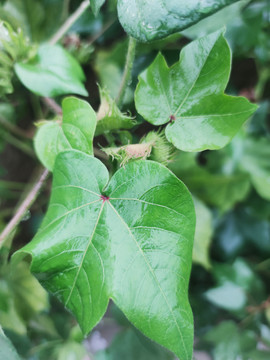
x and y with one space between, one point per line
189 96
152 19
129 240
52 72
76 132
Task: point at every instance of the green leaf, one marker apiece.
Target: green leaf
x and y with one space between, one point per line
129 240
7 350
131 345
255 160
224 17
109 116
70 350
150 20
52 72
96 5
238 285
35 18
189 96
219 189
203 234
24 297
230 343
76 132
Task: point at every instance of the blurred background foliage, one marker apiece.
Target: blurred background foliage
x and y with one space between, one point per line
230 287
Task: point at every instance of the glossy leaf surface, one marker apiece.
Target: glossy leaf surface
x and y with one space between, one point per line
189 96
150 20
52 72
129 240
76 132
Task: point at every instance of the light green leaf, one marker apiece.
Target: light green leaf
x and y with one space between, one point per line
189 96
7 350
152 19
96 5
52 72
131 345
129 240
71 351
24 297
228 296
110 117
236 282
203 234
231 343
255 160
76 132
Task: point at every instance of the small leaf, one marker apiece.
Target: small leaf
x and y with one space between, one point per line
76 132
203 234
236 282
96 5
189 96
255 160
110 117
150 20
52 72
130 240
230 342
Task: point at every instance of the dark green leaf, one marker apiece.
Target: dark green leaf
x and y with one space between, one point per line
76 132
135 247
189 96
150 20
52 72
218 189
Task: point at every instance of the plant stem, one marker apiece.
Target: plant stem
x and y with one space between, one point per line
50 103
25 205
14 129
127 71
69 22
102 31
18 144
